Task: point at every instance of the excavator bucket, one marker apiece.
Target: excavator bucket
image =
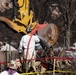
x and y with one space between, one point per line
49 34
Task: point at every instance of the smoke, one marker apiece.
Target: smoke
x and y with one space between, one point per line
5 4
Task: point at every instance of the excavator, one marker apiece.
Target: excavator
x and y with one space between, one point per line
23 18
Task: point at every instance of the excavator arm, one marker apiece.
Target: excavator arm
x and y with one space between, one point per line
12 25
24 18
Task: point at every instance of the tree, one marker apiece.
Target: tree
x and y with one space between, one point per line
68 10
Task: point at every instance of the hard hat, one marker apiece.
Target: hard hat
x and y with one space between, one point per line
28 29
13 64
18 63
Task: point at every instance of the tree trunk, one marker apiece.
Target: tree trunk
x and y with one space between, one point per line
68 35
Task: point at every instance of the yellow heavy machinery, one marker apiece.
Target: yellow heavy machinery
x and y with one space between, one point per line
24 18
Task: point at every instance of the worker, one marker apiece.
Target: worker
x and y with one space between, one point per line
12 69
27 44
28 40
